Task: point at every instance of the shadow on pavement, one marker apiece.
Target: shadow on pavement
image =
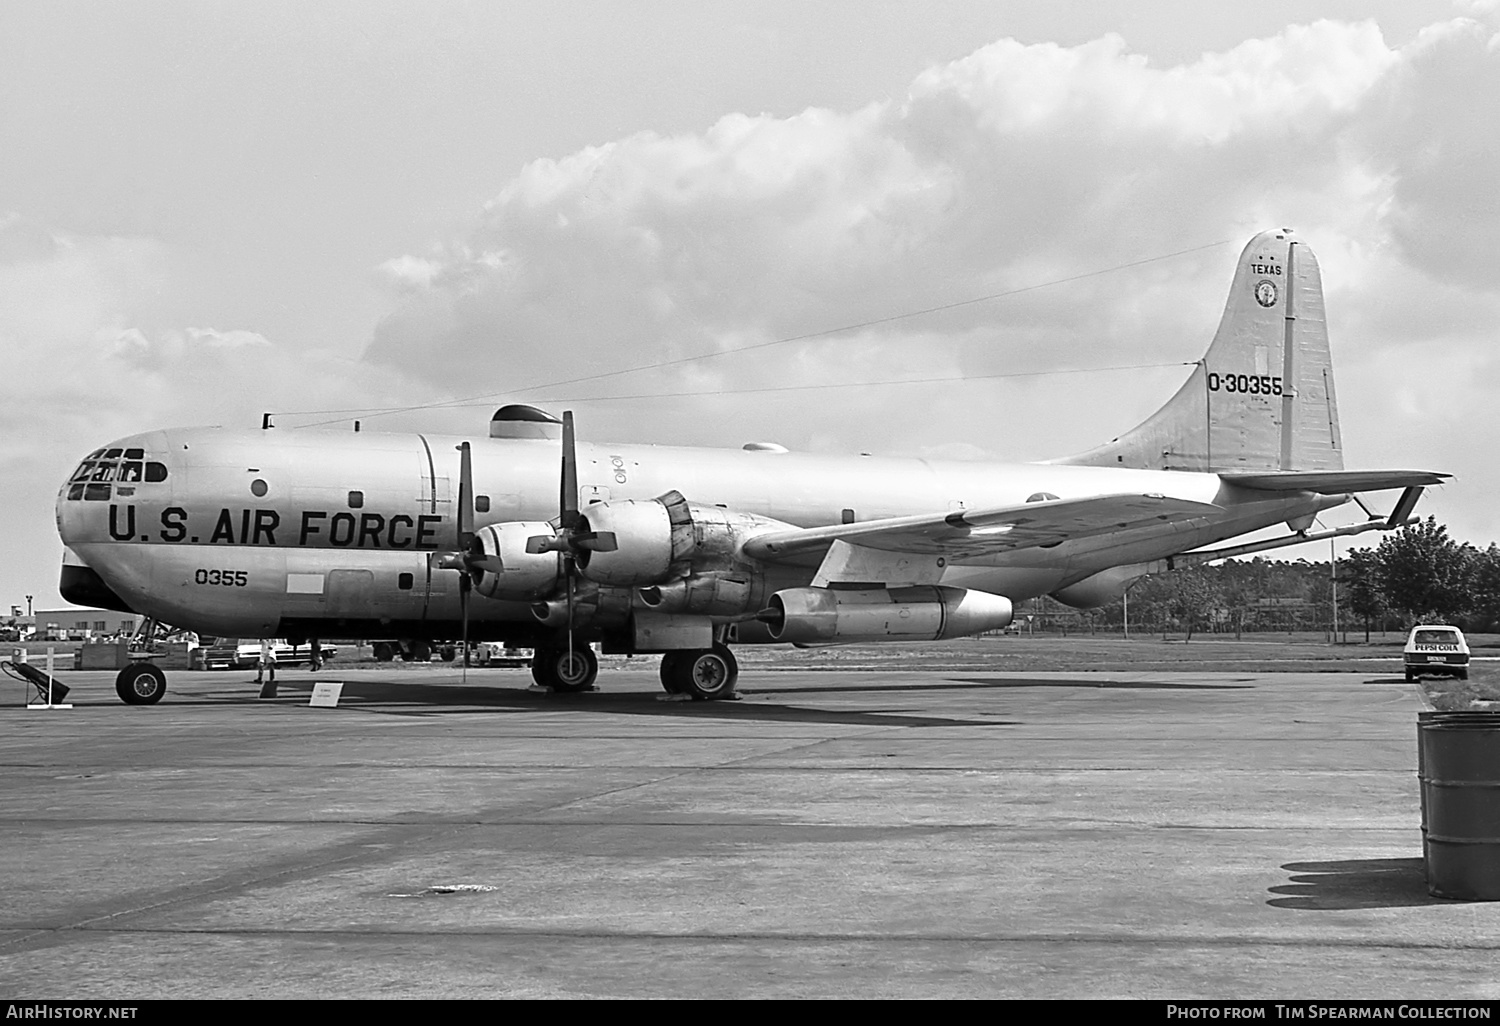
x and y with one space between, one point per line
400 699
1355 883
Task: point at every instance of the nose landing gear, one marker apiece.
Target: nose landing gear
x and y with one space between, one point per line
141 683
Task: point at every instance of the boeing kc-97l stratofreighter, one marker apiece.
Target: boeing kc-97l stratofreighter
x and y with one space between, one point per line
527 537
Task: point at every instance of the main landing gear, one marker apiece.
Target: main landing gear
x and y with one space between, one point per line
703 673
565 669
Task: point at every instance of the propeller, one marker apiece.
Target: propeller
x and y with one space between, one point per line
571 538
463 558
465 521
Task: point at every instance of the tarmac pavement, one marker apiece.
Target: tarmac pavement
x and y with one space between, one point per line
832 834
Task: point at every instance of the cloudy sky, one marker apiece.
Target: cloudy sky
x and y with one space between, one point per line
332 210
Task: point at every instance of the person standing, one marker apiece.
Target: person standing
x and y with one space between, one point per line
265 673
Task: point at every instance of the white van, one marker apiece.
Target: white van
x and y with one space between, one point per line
1436 650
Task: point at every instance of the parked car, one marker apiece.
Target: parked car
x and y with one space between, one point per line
244 653
1436 650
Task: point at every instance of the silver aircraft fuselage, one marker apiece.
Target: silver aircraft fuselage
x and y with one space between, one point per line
212 530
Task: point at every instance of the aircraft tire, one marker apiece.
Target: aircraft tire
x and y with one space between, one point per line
420 652
141 684
565 671
448 653
669 661
707 673
383 652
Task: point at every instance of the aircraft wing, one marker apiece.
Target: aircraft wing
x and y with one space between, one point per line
1332 482
982 532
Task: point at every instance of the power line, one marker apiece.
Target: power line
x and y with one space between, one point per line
488 397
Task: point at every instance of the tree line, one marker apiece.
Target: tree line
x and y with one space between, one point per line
1417 574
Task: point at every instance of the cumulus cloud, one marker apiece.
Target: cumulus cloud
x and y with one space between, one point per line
1015 166
79 371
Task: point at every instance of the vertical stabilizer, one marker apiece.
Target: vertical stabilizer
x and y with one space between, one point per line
1262 396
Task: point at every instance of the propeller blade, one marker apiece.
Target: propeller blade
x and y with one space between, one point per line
546 543
463 605
465 498
568 500
596 541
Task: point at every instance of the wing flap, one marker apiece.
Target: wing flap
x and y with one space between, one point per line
971 533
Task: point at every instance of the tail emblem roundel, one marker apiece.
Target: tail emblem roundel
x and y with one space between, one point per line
1265 292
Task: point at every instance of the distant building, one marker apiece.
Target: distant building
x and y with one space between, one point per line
77 623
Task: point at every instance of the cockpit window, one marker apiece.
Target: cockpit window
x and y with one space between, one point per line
133 468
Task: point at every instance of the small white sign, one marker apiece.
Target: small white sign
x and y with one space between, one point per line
326 694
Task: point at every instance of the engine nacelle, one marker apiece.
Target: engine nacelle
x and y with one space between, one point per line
1102 588
731 593
663 539
509 571
643 550
921 613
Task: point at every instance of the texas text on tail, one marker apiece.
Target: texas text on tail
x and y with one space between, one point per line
686 551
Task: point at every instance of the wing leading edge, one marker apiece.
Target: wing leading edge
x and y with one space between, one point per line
971 533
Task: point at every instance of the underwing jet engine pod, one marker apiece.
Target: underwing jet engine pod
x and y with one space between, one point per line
304 534
814 616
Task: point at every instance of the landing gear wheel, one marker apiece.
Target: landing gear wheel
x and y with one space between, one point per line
565 669
706 673
141 684
448 653
420 652
384 652
669 661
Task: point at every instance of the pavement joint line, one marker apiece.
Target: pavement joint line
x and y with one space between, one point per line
891 937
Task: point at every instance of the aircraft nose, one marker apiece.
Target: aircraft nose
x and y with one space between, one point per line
126 470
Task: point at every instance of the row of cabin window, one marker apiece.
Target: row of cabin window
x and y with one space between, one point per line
481 502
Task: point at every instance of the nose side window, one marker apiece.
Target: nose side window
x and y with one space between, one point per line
156 472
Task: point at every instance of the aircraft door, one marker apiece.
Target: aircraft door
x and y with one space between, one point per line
351 595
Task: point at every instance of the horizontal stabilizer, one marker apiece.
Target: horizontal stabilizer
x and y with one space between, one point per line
1333 482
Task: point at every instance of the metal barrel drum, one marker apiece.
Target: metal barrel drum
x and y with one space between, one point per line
1458 764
